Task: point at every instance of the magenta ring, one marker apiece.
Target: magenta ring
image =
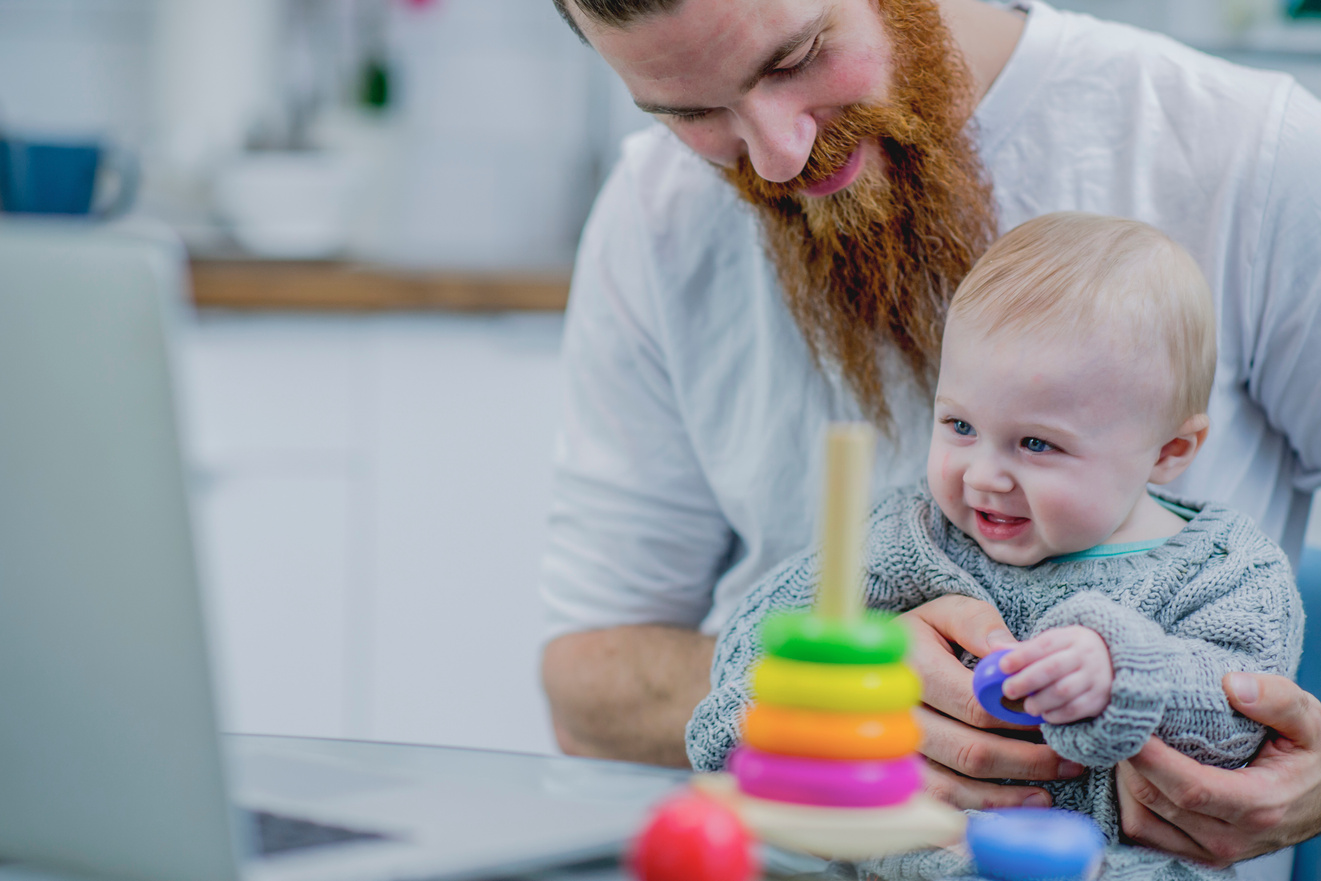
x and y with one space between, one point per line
826 782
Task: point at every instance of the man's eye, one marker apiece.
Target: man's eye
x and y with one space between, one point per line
1036 445
692 116
805 63
961 427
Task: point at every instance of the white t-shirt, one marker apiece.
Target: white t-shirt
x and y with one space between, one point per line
689 463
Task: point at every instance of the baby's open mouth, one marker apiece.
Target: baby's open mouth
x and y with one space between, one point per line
1000 519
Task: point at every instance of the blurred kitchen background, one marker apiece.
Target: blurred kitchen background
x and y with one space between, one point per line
382 199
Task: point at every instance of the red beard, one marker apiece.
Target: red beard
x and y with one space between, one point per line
877 263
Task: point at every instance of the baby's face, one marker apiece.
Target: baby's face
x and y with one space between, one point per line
1041 447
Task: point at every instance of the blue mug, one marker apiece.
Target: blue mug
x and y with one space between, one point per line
61 178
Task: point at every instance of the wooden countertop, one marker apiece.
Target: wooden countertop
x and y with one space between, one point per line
349 287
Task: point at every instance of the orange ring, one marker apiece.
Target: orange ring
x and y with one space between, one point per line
825 735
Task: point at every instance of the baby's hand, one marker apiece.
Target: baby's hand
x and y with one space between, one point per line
1066 671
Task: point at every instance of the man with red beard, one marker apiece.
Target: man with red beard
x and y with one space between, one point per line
780 255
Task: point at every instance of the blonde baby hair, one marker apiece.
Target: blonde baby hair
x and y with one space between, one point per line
1088 273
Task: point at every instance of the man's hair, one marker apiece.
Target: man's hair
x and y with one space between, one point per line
1085 273
613 13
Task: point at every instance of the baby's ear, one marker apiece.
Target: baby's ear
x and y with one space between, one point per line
1178 452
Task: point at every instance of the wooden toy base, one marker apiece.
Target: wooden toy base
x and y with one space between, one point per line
840 833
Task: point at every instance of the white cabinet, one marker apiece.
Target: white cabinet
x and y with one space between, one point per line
278 556
371 495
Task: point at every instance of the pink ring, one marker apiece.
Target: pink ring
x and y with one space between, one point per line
826 782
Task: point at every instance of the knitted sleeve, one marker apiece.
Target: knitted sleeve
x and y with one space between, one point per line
714 730
1238 611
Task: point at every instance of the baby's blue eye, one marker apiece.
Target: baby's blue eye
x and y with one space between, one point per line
961 427
1035 445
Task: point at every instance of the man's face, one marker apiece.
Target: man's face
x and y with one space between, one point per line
755 78
844 122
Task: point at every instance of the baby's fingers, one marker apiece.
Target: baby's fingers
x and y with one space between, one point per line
1085 706
1040 675
1080 695
1060 694
1027 653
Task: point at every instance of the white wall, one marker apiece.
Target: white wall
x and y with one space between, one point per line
74 67
495 163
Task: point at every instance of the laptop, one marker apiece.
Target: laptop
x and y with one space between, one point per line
110 760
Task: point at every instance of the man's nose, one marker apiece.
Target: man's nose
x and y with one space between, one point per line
778 136
987 474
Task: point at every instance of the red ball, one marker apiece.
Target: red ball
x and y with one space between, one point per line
693 837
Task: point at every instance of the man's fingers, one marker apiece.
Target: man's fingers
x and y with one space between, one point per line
1179 786
946 683
1230 815
975 625
965 793
983 754
1140 825
1277 703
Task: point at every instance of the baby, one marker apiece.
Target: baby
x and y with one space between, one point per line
1077 363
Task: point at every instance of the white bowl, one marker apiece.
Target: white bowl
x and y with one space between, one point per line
290 205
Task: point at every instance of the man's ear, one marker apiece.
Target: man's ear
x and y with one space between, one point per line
1178 452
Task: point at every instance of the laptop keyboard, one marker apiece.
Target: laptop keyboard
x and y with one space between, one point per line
273 833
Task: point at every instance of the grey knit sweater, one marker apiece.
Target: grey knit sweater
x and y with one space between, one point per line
1217 597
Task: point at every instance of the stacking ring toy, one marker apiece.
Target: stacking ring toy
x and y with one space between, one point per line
824 782
988 683
845 688
870 638
816 734
1035 844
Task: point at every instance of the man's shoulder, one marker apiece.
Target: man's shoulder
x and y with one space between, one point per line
1121 53
657 149
667 220
1100 116
670 180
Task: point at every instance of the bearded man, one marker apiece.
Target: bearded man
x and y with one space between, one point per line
779 255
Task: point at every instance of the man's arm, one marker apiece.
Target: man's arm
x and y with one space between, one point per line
1169 801
626 692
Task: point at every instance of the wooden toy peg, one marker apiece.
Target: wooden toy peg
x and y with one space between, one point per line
850 452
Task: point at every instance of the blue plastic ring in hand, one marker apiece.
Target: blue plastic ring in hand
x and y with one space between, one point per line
988 683
1035 844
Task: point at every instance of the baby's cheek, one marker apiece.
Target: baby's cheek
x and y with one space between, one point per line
939 471
1073 513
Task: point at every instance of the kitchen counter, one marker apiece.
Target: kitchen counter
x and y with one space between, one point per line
349 287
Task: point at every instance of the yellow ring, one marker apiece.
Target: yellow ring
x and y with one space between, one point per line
821 735
842 688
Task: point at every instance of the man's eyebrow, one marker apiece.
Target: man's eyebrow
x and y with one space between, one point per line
791 45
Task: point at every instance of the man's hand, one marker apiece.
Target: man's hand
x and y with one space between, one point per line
953 741
1169 801
1065 674
627 692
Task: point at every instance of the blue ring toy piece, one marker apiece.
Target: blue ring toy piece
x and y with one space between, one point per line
1035 844
988 683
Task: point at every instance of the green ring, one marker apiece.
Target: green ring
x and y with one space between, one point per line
870 638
